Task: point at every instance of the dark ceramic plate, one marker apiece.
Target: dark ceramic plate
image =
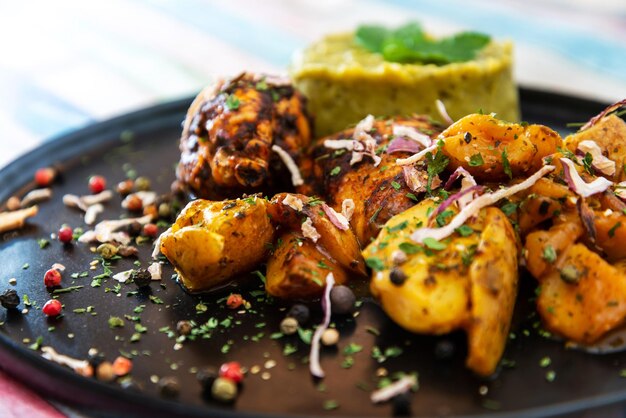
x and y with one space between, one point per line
581 381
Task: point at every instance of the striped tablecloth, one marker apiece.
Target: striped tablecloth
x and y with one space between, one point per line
68 63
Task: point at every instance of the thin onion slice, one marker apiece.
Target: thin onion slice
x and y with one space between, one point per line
296 177
347 208
416 157
402 385
335 218
441 108
413 134
459 172
314 357
599 162
415 179
602 114
455 197
403 145
157 243
475 206
578 185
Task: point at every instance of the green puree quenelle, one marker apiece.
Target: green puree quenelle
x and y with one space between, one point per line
401 72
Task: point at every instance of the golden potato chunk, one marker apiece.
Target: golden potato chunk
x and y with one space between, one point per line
467 281
490 143
211 242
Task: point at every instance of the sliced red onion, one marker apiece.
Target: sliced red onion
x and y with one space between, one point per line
335 218
413 134
476 205
58 266
454 197
309 231
314 356
92 212
293 202
416 157
459 172
620 190
296 177
403 145
578 185
441 108
400 386
599 162
602 114
105 231
347 144
588 217
363 127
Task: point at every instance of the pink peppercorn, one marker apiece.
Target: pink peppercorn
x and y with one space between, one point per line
52 278
232 370
65 234
97 184
52 308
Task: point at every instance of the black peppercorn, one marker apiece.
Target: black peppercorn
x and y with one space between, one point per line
300 313
342 300
9 299
169 387
397 276
184 327
141 277
134 229
206 377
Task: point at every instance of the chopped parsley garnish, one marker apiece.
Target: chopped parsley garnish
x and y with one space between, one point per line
352 348
476 160
435 165
375 263
396 185
506 165
464 230
613 229
259 275
549 254
443 216
587 161
398 227
115 322
412 197
232 102
409 248
433 244
43 243
410 44
335 171
509 208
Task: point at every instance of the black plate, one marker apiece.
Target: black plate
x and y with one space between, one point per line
446 387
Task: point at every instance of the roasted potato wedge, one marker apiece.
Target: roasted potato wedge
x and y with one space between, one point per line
610 135
211 242
484 135
297 268
468 282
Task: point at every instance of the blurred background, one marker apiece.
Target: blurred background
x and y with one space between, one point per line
68 63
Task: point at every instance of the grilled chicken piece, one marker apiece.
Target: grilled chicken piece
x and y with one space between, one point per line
227 139
378 191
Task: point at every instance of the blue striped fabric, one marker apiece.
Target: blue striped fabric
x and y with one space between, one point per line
72 64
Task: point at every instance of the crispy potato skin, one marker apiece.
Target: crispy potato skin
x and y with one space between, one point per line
297 268
610 135
471 284
525 146
211 242
226 149
376 199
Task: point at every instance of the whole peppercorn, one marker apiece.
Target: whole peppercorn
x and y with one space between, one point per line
52 278
289 326
143 183
397 276
330 337
97 184
224 390
65 234
45 176
133 203
184 327
125 187
150 230
141 277
9 299
342 300
232 370
104 372
206 377
234 301
107 251
169 387
52 308
134 229
165 211
300 312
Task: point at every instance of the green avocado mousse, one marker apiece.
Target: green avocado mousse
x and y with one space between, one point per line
403 71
